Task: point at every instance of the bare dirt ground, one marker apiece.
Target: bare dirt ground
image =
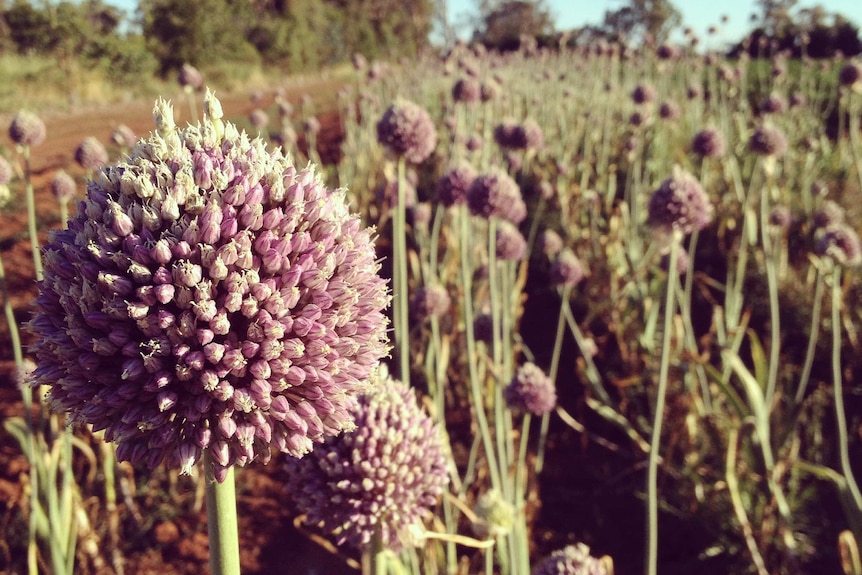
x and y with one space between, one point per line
172 537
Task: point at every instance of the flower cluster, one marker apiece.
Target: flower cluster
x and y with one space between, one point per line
452 186
512 135
209 296
407 131
91 154
708 143
531 391
63 186
430 301
384 476
27 129
566 269
495 193
768 140
190 78
467 90
572 560
680 204
841 243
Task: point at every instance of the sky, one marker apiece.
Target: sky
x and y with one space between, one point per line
696 14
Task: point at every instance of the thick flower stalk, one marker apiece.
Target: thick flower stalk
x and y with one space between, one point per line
208 297
383 478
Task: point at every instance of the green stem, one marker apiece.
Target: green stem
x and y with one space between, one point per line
31 215
375 563
840 419
812 338
399 275
652 468
552 373
221 520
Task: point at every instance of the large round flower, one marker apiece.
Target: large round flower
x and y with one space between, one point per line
531 391
385 475
207 296
495 193
27 129
408 131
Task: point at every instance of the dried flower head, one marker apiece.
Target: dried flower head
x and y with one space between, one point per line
495 193
452 186
407 131
841 243
209 296
63 186
680 204
510 242
566 269
430 301
27 129
190 78
572 560
91 154
384 476
708 143
531 390
550 242
767 140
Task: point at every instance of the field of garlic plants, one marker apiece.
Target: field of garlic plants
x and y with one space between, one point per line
622 335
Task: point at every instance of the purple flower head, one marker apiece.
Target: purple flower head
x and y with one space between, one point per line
550 242
774 104
682 260
495 193
407 131
851 75
311 125
430 301
63 186
680 204
669 110
531 391
258 118
572 560
5 171
566 269
91 154
798 99
693 92
190 77
511 135
474 143
27 129
708 143
208 295
452 186
666 52
829 214
123 136
767 140
780 217
490 90
510 242
483 326
643 94
841 243
467 90
384 476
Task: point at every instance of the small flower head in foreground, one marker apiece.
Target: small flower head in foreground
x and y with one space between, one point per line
572 560
767 140
386 475
708 143
453 185
407 131
531 391
841 243
190 78
495 193
430 301
63 186
209 296
566 270
91 154
496 516
680 204
27 129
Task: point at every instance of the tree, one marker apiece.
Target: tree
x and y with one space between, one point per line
504 23
640 18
